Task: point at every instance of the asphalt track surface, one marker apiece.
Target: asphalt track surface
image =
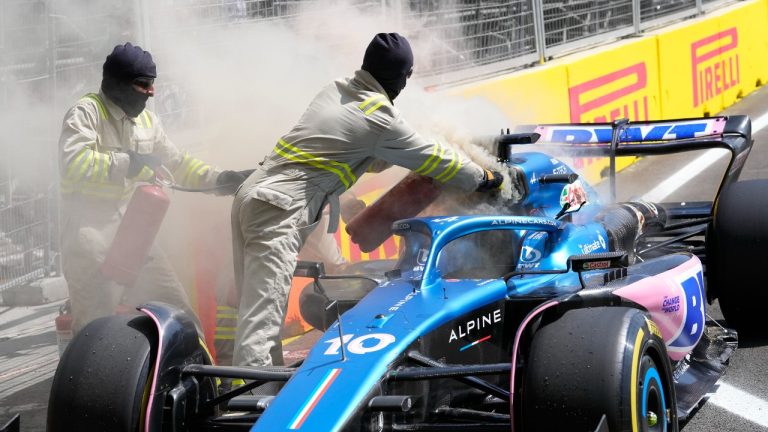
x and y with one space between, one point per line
28 351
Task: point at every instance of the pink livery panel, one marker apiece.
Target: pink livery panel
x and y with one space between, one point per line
675 300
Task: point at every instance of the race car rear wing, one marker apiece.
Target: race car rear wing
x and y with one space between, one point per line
625 138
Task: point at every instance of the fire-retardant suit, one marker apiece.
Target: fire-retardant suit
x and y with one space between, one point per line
108 143
320 246
350 126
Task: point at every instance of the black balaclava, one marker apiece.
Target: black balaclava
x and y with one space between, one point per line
389 59
125 64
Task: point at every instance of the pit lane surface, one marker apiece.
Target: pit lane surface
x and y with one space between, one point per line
28 351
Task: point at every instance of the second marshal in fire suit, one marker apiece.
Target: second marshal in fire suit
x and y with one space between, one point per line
109 143
351 127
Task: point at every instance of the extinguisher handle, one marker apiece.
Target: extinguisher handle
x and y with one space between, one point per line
163 177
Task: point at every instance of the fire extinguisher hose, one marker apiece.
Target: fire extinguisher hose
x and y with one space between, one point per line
166 179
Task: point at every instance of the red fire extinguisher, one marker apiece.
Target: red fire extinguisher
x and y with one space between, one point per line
63 327
135 235
372 226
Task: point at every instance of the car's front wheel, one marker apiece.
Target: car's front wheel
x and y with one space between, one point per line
597 362
101 383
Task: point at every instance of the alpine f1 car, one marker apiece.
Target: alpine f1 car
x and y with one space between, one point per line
541 318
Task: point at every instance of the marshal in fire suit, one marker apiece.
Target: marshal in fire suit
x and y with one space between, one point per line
110 142
349 128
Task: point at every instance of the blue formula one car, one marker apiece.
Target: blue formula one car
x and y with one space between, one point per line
537 319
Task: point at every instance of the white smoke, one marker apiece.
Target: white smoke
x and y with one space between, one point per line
228 91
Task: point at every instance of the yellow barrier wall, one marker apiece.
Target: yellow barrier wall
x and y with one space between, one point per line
619 81
537 95
695 68
687 54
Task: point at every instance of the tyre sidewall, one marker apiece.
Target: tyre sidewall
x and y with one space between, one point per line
101 381
736 242
580 366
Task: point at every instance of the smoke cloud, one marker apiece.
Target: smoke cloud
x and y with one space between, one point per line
227 89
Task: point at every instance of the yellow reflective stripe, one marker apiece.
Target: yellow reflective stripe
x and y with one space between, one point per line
147 120
374 108
96 166
179 172
345 167
230 316
75 163
317 162
426 163
430 164
227 308
184 163
223 332
88 158
199 174
447 169
367 102
381 101
99 104
193 165
145 174
84 167
105 169
455 170
99 166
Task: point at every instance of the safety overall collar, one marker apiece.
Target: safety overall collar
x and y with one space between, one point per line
367 82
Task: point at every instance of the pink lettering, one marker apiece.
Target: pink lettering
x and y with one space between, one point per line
718 78
579 108
707 49
630 110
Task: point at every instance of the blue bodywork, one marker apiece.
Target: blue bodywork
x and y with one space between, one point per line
328 389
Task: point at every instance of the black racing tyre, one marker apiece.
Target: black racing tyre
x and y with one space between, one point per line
600 361
737 241
101 383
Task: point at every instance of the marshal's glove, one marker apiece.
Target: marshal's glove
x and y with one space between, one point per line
228 181
351 206
492 181
142 166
